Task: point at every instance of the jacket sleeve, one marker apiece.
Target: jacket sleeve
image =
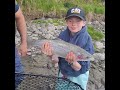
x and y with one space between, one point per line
89 46
16 7
86 64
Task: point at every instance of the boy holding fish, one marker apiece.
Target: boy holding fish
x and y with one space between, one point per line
75 33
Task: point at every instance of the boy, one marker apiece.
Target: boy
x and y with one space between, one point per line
75 33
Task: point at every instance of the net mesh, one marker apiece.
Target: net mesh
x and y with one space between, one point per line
41 82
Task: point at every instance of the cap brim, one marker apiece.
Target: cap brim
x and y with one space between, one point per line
74 15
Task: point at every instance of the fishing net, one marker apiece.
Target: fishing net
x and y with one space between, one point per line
41 82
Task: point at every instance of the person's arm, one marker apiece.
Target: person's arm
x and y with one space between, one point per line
21 27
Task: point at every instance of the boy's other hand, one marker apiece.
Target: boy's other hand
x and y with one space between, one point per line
70 57
47 49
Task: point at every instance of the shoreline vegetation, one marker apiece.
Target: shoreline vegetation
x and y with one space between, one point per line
33 9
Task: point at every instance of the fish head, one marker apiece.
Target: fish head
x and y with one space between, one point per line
84 57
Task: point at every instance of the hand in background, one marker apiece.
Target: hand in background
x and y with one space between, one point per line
23 49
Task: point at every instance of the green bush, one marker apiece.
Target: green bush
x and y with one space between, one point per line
99 10
96 35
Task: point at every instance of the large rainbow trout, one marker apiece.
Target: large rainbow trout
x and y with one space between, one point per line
61 48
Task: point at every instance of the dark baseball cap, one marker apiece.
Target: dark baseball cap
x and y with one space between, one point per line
75 12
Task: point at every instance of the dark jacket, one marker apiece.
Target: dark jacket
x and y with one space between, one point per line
82 39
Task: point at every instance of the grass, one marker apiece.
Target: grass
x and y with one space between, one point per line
96 35
99 10
58 8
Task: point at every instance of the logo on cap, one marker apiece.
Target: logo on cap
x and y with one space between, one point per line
75 10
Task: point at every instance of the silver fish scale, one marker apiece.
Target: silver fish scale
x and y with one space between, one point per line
40 82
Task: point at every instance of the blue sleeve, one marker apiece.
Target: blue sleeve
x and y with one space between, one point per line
85 65
16 7
64 35
60 35
89 46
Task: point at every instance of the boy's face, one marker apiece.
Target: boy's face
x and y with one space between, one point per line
75 24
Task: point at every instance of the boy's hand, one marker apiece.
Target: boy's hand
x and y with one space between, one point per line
70 57
47 49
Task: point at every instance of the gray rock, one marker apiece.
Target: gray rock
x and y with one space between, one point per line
99 45
99 56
